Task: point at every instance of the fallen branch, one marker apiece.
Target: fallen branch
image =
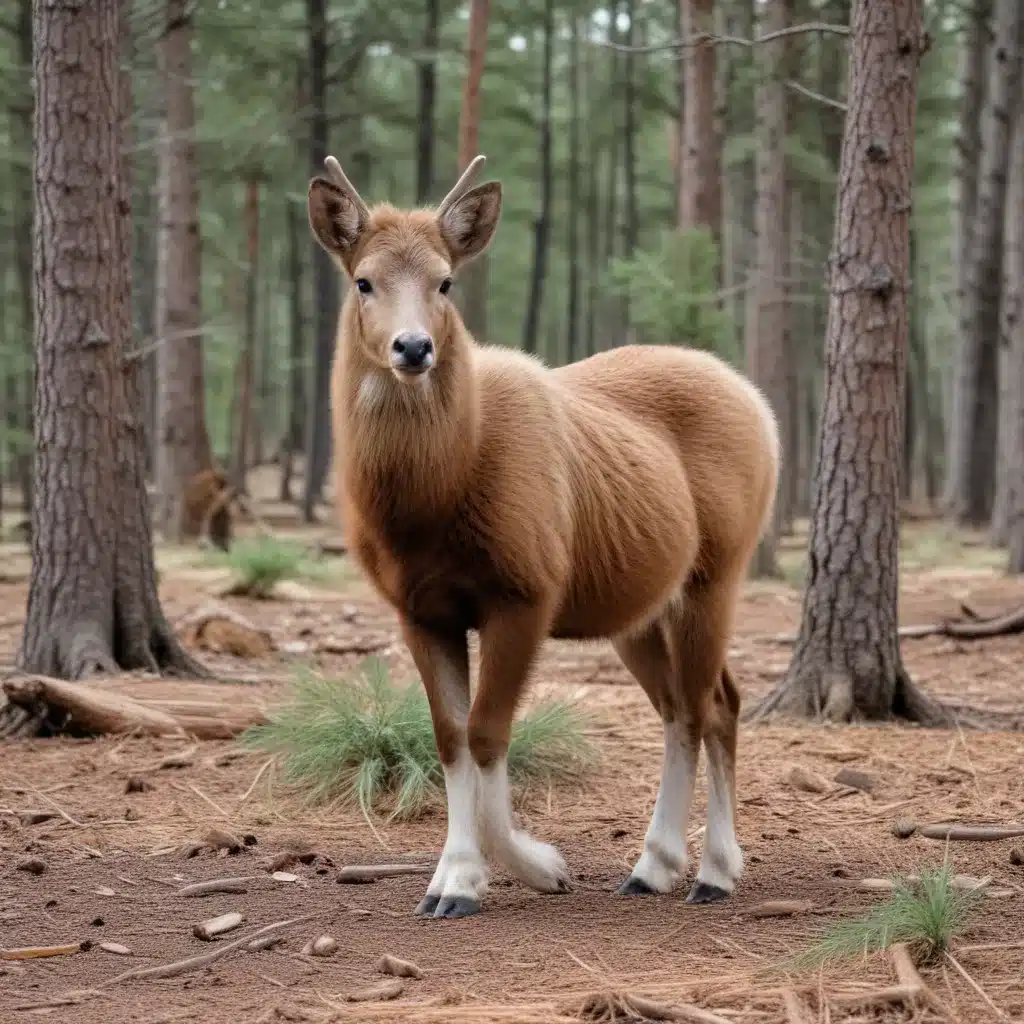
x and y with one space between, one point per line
213 885
971 833
210 929
969 628
193 963
611 1006
363 874
74 998
911 990
711 39
37 952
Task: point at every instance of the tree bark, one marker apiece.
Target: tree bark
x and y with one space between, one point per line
1010 507
247 357
975 419
184 445
572 314
593 208
296 371
542 224
700 172
93 605
473 288
847 662
326 285
768 341
426 73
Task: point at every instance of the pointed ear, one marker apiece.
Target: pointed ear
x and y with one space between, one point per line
467 226
335 217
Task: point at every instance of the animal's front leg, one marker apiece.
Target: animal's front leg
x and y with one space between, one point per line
460 879
509 641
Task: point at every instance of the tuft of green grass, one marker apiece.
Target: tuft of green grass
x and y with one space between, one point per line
926 914
369 742
261 562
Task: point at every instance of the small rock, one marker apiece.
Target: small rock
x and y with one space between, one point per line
282 861
220 839
399 968
97 922
115 947
381 992
804 780
1017 856
180 760
284 876
104 890
324 945
32 865
903 828
856 779
137 784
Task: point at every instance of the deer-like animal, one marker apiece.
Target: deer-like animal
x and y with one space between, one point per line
622 496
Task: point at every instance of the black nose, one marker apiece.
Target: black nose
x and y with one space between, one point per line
412 351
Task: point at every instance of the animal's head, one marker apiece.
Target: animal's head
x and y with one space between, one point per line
401 263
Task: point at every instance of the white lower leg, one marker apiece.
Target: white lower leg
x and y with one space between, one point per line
721 863
462 870
536 864
663 861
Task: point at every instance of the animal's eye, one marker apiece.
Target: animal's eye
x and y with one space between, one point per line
364 286
446 285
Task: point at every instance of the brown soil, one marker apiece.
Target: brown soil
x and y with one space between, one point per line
527 957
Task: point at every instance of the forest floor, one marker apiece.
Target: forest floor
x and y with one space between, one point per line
114 860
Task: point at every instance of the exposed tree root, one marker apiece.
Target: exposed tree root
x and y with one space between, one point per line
831 696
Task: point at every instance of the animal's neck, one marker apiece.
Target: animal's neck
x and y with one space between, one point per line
409 446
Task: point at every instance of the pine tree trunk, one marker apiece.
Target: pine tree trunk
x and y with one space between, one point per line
768 341
593 208
93 605
184 445
426 73
572 313
700 189
1010 508
326 283
975 420
295 429
847 661
542 224
473 288
247 357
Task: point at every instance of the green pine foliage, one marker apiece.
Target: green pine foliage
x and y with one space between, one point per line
368 742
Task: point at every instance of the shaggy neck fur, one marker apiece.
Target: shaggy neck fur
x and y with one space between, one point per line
409 445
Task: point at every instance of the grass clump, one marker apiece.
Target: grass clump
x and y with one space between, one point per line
259 563
369 742
925 913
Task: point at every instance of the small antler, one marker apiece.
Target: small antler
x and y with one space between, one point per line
340 179
462 185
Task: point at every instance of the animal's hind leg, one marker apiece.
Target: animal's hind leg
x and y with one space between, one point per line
663 861
699 636
722 861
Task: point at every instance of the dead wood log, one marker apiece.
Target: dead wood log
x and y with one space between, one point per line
362 874
971 833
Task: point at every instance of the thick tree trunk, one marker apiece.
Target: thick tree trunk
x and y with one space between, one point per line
975 420
542 224
247 357
847 661
93 605
700 173
631 228
183 443
768 341
325 277
426 73
473 288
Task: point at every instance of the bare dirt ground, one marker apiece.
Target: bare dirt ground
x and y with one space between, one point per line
114 860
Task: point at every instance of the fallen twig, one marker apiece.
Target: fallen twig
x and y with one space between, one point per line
214 926
37 952
362 874
796 1010
194 962
73 998
259 775
971 833
977 988
235 885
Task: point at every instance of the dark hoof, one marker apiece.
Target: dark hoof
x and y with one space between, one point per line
634 886
704 893
427 906
563 887
457 906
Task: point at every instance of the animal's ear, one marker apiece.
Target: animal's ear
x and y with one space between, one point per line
337 218
468 224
